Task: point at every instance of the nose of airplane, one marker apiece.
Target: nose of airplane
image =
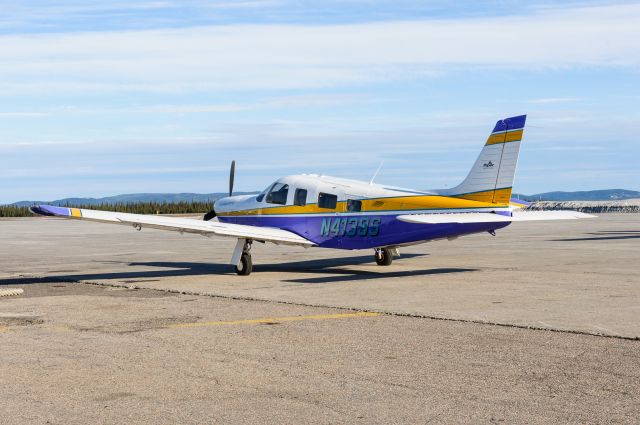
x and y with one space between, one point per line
232 203
223 203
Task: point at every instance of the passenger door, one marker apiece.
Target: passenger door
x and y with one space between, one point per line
352 208
300 199
331 217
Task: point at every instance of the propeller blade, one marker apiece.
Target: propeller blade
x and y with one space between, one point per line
232 175
208 216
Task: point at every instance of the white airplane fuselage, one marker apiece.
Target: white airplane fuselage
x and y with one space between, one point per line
350 214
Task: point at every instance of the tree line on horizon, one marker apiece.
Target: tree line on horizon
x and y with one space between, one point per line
182 207
187 207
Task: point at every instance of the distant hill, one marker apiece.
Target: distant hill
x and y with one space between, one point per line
133 198
589 195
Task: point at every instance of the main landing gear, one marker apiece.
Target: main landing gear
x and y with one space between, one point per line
384 256
242 257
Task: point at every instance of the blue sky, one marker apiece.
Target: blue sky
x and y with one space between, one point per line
102 98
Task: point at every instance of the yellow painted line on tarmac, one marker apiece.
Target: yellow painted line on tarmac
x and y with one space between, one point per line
3 329
272 320
59 328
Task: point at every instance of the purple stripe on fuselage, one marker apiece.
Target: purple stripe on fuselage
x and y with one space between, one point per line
367 231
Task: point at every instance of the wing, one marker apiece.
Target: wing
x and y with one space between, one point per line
206 228
485 217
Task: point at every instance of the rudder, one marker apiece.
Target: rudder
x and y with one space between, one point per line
491 177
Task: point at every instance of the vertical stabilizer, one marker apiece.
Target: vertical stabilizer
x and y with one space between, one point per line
491 178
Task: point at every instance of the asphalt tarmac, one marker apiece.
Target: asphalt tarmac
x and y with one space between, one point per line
540 324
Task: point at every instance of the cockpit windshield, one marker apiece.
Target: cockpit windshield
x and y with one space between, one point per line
278 194
260 197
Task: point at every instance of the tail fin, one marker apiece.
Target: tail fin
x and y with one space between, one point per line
491 178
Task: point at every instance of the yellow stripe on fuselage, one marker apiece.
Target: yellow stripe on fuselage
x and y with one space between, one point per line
420 203
510 136
290 209
75 212
400 203
500 196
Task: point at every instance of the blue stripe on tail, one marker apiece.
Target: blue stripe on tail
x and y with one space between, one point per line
513 123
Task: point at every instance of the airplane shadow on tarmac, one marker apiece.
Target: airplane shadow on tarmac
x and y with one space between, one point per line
351 275
604 236
337 268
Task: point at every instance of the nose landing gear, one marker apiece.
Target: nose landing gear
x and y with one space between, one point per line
242 257
245 266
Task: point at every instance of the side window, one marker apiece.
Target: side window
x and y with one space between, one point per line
326 200
300 197
278 194
353 205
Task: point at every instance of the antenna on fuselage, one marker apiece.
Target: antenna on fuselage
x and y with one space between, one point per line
376 173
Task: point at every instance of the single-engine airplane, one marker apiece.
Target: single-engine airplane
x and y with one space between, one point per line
313 210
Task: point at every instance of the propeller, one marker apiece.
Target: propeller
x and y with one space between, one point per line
208 216
232 175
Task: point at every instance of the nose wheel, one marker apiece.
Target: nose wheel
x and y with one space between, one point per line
245 266
383 256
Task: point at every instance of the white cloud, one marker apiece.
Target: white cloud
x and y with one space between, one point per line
238 4
22 114
189 109
250 57
546 100
54 9
310 100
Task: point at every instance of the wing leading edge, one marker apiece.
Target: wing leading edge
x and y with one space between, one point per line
492 217
183 225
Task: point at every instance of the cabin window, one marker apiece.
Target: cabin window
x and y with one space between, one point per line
326 200
300 197
278 194
353 205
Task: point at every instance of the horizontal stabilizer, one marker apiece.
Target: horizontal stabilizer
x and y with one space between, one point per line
549 215
492 217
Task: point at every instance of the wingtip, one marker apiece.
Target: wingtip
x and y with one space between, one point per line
50 210
40 210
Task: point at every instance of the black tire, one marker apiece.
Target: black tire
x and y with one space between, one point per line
385 258
246 266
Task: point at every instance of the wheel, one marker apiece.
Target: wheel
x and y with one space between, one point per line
245 266
383 257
